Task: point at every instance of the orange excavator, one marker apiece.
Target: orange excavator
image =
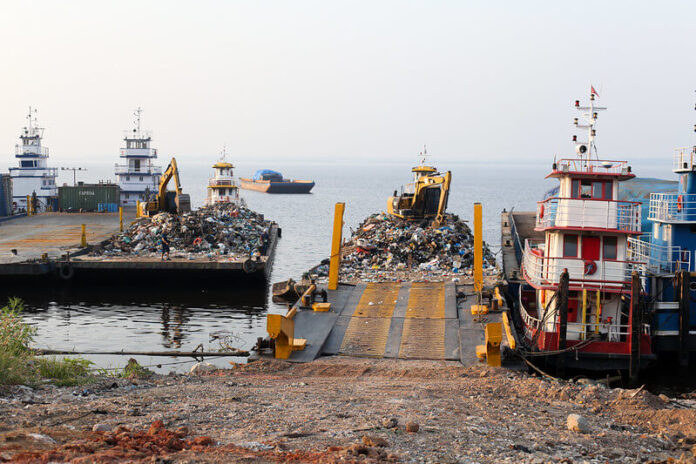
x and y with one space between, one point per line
175 201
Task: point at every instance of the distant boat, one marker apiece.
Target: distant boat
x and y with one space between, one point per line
268 181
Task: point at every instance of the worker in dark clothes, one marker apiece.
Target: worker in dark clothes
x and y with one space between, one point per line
165 244
264 242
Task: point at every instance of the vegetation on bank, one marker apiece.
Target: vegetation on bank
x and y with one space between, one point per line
19 365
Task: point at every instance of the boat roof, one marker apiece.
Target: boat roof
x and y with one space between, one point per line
423 168
222 164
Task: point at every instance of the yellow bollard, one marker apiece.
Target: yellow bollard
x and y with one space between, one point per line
137 209
120 218
30 211
598 315
491 349
478 248
584 313
83 240
337 238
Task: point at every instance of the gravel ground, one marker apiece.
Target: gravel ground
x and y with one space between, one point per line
345 410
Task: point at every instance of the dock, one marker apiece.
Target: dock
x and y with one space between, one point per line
402 320
47 246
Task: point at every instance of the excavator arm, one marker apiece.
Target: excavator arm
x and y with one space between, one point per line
172 202
172 172
444 196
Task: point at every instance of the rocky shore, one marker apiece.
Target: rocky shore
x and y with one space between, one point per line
345 410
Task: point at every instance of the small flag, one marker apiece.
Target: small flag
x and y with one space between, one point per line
593 91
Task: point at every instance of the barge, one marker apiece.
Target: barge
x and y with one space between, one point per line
268 181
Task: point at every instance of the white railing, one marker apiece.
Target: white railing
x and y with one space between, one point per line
577 165
684 159
542 271
672 207
145 152
623 216
658 259
31 150
222 182
142 170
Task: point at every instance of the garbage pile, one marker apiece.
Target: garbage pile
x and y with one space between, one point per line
385 248
217 232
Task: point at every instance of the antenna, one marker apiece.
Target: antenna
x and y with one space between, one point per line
137 113
223 153
423 155
589 114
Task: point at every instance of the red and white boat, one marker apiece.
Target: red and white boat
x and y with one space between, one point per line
585 231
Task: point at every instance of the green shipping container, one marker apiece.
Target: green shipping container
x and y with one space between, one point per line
87 197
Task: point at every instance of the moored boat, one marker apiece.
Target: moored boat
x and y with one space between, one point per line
267 181
222 188
576 293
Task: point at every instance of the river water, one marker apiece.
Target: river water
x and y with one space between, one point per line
113 317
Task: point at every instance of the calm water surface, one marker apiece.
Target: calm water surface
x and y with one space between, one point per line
134 318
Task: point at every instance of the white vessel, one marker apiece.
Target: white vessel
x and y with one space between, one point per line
138 177
33 176
222 188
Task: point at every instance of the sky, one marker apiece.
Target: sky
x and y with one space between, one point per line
347 81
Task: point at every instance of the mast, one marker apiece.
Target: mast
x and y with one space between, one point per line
589 114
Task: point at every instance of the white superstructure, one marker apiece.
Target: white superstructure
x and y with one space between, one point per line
222 188
137 175
33 176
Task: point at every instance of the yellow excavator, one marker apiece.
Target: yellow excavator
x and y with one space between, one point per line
425 198
174 201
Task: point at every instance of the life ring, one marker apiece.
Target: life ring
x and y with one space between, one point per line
66 271
541 212
197 241
680 203
590 267
249 266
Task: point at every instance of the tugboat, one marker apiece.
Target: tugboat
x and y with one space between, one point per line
222 188
584 251
138 177
425 198
666 252
33 178
268 181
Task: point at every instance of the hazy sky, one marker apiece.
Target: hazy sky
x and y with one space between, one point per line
327 80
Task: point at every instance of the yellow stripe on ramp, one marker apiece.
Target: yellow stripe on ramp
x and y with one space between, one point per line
378 300
423 339
426 300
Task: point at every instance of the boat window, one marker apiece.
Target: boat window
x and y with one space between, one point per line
575 189
609 248
570 246
608 190
586 189
597 190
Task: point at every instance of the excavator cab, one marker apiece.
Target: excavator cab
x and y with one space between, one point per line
425 198
175 201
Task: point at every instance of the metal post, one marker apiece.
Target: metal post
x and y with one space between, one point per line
598 318
337 238
478 249
30 211
684 280
563 284
83 240
584 314
634 329
120 218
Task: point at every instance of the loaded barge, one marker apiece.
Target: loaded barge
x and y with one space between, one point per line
47 248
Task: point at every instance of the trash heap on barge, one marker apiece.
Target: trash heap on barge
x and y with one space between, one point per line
387 248
224 231
586 232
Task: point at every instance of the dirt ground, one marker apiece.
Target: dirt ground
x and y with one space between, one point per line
344 410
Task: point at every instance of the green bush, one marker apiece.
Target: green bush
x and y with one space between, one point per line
65 372
16 359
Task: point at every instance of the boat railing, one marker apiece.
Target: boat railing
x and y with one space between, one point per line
531 323
31 150
658 259
672 207
148 169
222 182
544 272
588 213
684 159
144 152
570 165
613 332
